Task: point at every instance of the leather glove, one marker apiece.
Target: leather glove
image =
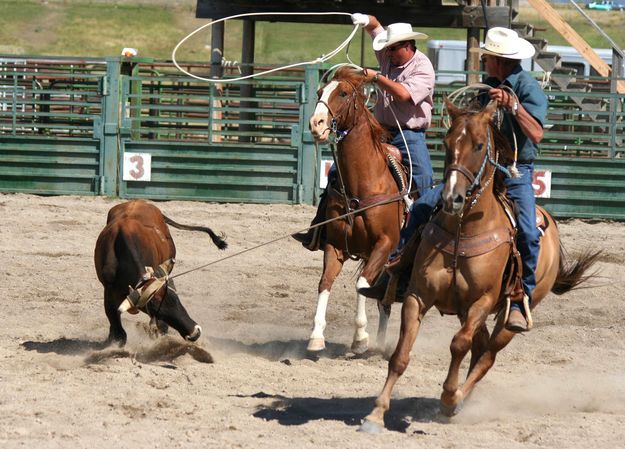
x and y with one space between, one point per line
360 19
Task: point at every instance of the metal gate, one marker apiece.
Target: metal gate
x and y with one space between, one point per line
50 125
186 139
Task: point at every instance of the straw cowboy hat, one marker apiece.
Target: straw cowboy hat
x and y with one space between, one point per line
507 44
396 32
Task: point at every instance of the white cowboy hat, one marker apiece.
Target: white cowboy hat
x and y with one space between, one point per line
507 44
396 32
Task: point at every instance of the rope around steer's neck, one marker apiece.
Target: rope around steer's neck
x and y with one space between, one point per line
140 296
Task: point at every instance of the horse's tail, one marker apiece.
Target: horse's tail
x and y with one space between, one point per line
571 275
217 240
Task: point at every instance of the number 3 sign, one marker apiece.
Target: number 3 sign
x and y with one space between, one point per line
542 183
137 167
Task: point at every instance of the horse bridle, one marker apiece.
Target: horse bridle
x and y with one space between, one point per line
341 134
475 180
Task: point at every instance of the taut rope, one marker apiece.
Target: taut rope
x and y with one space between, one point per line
323 223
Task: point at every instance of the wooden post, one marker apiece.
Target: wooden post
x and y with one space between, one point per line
617 73
217 71
247 61
559 24
473 56
217 49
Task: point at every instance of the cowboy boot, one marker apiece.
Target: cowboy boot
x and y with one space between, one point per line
313 237
389 287
378 289
405 258
519 317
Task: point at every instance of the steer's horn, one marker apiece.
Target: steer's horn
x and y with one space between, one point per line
125 306
130 303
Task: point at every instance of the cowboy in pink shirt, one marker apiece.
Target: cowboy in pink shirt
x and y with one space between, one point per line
406 83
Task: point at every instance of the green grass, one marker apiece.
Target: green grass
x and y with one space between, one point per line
82 28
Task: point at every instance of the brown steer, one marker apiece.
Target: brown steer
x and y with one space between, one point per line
135 249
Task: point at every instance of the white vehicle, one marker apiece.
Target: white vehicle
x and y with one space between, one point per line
449 59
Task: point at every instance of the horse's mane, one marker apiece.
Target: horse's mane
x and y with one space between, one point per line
356 78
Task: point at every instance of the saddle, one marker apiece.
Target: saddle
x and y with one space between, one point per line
484 243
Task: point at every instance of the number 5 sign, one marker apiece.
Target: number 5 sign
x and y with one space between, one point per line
542 183
137 167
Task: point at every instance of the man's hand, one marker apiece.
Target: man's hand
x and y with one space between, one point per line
360 19
371 76
504 99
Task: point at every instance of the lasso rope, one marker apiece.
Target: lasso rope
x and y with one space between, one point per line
320 59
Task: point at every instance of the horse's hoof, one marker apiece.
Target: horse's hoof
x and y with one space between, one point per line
450 411
370 427
360 346
316 345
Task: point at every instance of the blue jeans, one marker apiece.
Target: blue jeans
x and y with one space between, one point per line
521 192
419 157
420 213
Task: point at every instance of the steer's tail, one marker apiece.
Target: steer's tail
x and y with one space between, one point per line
217 240
571 275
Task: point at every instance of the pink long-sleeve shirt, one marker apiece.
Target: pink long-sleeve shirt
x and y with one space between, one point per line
417 76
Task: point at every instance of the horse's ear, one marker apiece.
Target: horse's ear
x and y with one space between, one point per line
489 110
452 109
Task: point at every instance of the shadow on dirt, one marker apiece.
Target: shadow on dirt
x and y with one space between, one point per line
351 411
64 346
291 349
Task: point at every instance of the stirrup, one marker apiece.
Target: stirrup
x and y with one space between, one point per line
526 311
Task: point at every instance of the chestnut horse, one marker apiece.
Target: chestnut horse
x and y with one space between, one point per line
362 163
471 214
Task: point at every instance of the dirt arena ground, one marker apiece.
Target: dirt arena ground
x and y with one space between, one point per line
560 386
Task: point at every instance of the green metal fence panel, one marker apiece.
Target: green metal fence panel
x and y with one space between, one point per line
86 126
236 141
50 125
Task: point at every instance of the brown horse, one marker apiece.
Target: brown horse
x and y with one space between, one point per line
362 163
474 289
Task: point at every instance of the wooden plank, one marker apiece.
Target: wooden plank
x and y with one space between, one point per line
561 26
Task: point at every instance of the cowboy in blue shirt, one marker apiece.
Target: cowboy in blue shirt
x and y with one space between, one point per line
501 54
